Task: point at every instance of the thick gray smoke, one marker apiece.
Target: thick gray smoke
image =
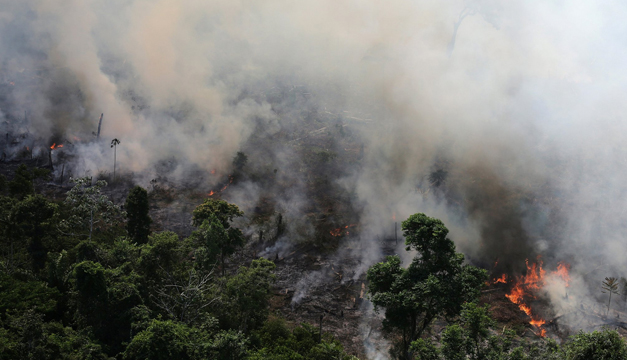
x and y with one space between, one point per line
504 119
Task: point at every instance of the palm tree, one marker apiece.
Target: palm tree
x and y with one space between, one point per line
114 145
610 285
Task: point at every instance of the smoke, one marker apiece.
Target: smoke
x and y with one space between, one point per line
502 119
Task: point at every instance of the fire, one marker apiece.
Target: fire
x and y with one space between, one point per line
502 280
55 146
213 171
336 232
524 288
535 275
340 231
211 193
562 272
393 216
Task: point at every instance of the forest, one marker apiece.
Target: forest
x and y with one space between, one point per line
83 278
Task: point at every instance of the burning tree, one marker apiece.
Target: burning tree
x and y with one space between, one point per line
435 283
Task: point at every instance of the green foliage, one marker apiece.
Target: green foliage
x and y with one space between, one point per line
89 208
3 183
597 345
435 283
17 295
213 242
34 219
221 209
27 336
246 295
162 340
22 183
277 342
138 220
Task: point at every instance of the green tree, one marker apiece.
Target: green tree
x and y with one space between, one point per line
246 296
436 282
22 183
222 210
91 286
88 208
597 345
213 242
164 340
138 219
34 219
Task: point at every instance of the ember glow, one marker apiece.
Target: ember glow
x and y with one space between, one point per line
342 231
55 146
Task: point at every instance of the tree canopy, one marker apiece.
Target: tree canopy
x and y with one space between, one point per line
436 282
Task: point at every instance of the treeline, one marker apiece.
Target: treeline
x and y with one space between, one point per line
84 278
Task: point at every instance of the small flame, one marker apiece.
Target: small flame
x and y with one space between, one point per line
502 280
55 146
211 193
562 272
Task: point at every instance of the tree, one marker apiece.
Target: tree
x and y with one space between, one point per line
22 183
610 285
114 145
435 283
216 242
33 218
216 239
240 160
138 220
162 340
597 345
221 209
246 296
88 208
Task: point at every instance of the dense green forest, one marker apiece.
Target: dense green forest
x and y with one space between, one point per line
84 278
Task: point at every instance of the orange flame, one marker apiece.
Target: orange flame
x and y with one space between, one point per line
55 146
524 287
211 193
502 280
562 272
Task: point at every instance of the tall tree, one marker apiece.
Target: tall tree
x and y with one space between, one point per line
114 145
22 183
610 285
89 208
216 242
138 219
436 282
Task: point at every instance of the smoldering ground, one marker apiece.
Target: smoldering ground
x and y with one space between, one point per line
502 119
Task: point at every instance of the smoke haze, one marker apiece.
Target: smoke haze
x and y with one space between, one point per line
503 119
